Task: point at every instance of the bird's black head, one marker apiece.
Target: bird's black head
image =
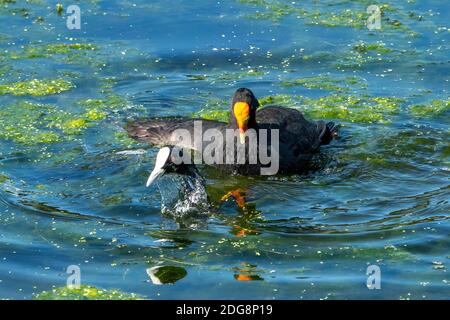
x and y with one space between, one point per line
243 109
167 162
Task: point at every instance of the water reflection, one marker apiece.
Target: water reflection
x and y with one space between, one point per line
166 274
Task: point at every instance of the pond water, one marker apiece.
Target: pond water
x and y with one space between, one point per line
70 196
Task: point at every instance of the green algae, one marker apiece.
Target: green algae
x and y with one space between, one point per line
19 8
114 199
351 108
95 114
59 9
4 69
211 114
65 48
324 82
32 123
363 53
377 47
433 108
412 148
86 54
107 83
3 178
94 110
279 99
328 14
341 18
74 126
85 292
274 10
123 139
237 75
227 75
196 77
98 107
28 123
36 87
215 109
33 51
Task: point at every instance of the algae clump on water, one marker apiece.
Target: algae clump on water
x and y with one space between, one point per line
36 87
85 292
30 123
351 108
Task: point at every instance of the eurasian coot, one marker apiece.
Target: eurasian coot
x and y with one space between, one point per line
297 138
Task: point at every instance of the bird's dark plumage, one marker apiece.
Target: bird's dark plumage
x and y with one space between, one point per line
299 138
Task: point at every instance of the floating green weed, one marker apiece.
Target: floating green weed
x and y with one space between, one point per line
274 10
36 87
85 292
237 75
95 114
69 53
59 8
327 14
97 107
325 82
340 106
433 108
4 69
28 123
197 77
362 53
74 126
3 178
279 99
124 139
352 108
218 115
33 51
340 18
378 47
215 109
32 123
227 75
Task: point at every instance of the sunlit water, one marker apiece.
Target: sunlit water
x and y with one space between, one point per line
381 196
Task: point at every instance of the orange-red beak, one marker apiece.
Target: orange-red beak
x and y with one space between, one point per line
242 114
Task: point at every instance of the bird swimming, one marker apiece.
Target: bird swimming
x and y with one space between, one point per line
186 195
297 138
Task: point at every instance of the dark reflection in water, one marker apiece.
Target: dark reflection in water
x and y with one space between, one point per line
166 274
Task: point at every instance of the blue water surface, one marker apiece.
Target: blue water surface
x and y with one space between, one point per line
381 196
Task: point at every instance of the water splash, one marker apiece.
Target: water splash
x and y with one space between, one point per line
183 195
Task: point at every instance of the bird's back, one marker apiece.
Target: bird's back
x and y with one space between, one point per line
295 130
161 131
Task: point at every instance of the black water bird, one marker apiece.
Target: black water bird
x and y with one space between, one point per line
184 194
299 138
